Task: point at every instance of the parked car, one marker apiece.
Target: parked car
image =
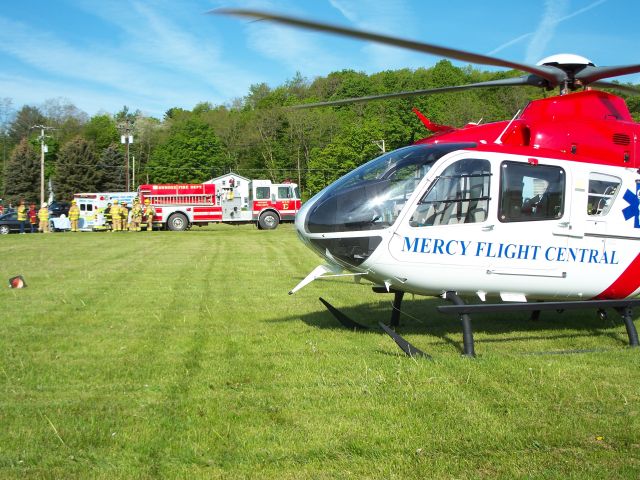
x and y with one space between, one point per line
58 208
9 223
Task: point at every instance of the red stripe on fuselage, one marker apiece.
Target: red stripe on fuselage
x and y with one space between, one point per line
625 284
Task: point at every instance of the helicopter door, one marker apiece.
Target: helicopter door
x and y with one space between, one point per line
528 248
439 242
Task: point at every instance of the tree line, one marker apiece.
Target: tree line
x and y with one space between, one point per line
257 136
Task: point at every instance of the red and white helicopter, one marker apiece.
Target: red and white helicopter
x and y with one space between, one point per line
540 211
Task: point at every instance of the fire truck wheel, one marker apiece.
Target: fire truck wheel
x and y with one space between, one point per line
268 221
177 222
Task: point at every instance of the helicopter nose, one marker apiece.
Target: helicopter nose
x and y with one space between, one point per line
301 219
334 247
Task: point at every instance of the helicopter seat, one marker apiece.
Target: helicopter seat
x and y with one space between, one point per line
423 216
476 215
477 211
453 213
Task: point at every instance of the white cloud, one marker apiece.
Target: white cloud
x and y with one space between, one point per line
149 62
165 36
553 11
552 17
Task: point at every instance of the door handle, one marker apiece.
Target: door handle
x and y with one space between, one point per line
488 228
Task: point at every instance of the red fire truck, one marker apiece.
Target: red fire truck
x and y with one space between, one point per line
230 198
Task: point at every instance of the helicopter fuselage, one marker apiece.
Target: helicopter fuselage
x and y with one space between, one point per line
545 206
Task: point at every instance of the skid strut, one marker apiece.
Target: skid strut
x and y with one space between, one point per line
632 333
397 303
467 332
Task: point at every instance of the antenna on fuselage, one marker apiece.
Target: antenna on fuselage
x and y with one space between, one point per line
498 140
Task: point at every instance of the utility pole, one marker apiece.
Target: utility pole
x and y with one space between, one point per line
43 149
126 139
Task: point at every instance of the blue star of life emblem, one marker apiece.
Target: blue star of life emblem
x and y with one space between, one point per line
633 210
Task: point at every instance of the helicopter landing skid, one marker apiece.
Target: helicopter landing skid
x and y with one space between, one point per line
623 307
404 345
342 318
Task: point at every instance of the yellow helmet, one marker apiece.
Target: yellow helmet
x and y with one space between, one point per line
73 202
146 201
115 201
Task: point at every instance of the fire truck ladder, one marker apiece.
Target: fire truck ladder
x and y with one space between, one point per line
199 199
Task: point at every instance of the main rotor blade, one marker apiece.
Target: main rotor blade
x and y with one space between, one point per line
527 80
591 74
551 74
618 86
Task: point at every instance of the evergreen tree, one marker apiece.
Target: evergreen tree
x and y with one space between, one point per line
22 178
6 115
111 170
76 169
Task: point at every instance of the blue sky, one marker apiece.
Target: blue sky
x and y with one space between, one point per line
156 54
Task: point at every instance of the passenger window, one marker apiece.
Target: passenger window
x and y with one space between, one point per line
602 193
459 195
262 193
531 192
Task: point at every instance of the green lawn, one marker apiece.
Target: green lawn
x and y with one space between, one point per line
180 355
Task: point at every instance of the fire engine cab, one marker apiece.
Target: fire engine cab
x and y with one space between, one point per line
230 198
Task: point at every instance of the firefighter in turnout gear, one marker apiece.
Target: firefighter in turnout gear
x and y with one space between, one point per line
115 216
43 215
107 217
74 215
22 215
136 216
33 217
149 212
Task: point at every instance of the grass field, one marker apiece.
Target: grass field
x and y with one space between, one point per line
180 355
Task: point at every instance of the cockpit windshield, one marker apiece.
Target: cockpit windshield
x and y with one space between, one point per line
372 196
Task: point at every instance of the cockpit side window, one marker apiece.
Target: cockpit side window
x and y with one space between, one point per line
459 195
531 192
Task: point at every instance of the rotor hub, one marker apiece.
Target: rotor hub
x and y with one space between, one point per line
561 60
